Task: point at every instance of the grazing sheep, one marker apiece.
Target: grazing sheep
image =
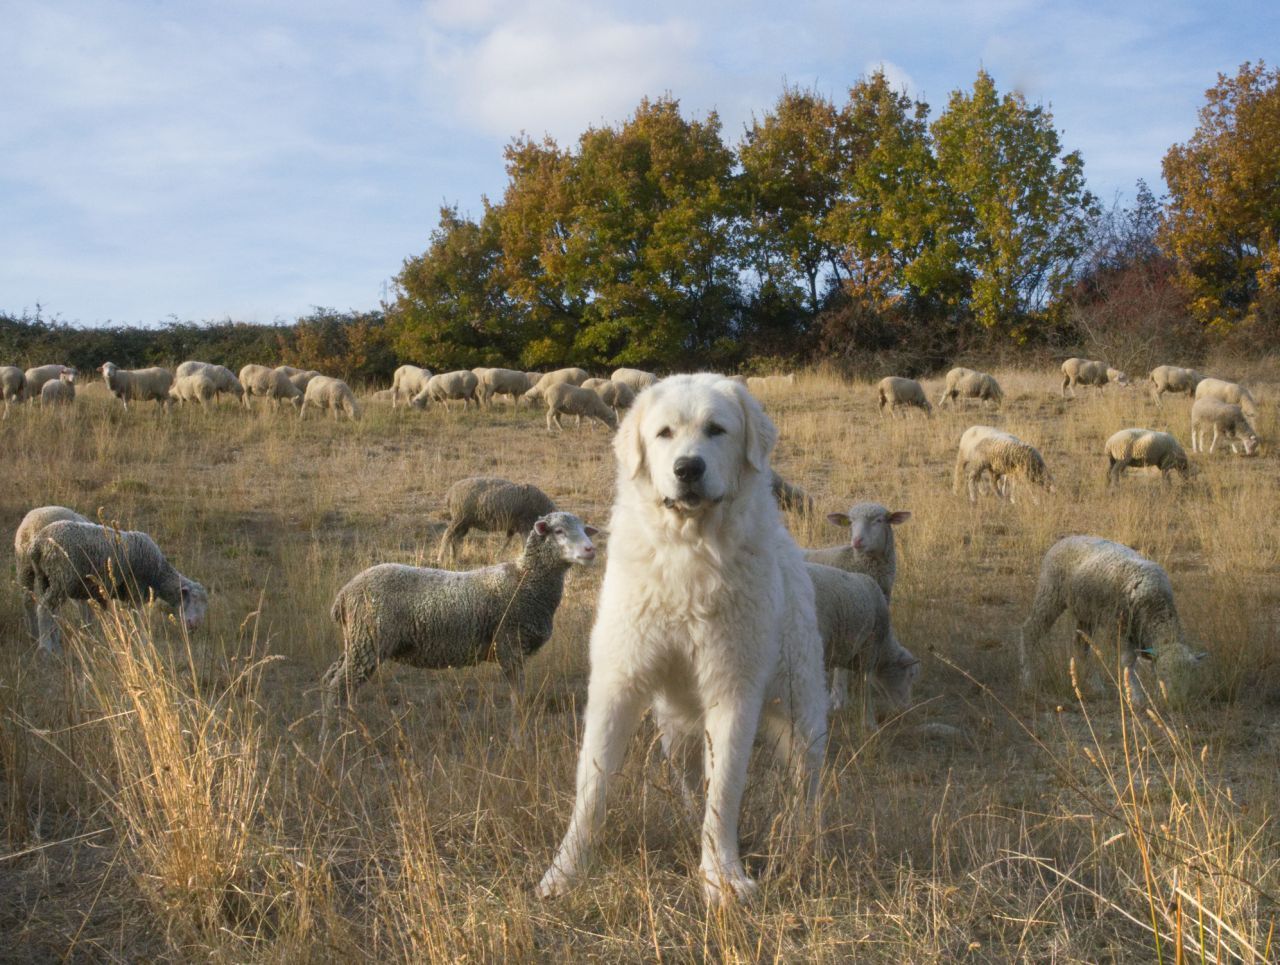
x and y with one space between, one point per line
384 395
1230 392
195 386
503 382
788 496
190 367
60 391
1142 448
1118 377
269 383
73 560
448 386
1116 593
490 505
770 383
1006 457
409 379
1170 378
894 391
438 619
303 379
566 399
36 377
571 376
962 383
637 379
224 380
871 549
1226 420
13 385
23 539
1077 371
324 392
139 385
617 395
857 636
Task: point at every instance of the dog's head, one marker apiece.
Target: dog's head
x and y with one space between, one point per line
688 442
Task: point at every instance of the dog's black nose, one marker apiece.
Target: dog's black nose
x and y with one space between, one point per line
690 468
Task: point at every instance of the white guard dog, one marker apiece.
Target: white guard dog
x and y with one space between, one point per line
706 617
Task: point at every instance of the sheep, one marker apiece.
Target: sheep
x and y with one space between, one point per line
490 505
1145 447
503 382
36 377
23 539
1229 392
438 619
13 385
409 379
384 395
303 379
617 395
870 549
894 391
1110 590
984 449
1118 377
571 376
224 380
1170 378
637 379
1227 421
857 635
769 383
196 386
74 560
789 496
1078 371
269 383
140 385
962 383
324 392
566 399
59 391
446 386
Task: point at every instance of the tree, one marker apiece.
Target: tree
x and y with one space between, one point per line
1223 213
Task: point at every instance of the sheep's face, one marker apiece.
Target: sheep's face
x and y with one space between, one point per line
895 679
870 527
1180 669
1250 440
571 536
194 605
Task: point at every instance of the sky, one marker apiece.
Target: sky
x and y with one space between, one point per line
256 159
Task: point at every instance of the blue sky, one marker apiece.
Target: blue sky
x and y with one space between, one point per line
252 159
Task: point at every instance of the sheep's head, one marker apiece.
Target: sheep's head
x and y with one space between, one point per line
895 679
193 605
870 526
568 534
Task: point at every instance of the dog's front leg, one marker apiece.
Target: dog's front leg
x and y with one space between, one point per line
730 731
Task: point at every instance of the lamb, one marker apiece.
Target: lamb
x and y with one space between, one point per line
13 384
571 376
1077 371
437 619
894 391
38 376
1170 378
59 391
1111 590
140 385
1227 421
1006 457
1145 447
789 496
637 379
269 383
446 386
870 549
962 383
566 399
409 379
503 382
490 505
74 560
1229 392
324 392
195 386
617 395
23 539
302 379
857 636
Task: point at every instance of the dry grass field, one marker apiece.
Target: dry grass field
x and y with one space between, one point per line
165 799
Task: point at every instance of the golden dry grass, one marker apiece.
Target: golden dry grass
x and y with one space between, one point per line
172 801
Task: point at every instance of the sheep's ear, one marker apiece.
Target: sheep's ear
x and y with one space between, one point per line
840 519
591 531
541 527
628 444
899 516
761 433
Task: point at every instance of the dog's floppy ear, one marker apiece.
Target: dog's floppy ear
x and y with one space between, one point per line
761 434
628 445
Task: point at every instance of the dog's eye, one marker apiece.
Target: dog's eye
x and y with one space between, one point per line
559 532
715 430
664 432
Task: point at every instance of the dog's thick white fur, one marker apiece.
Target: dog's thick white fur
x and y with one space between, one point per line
706 617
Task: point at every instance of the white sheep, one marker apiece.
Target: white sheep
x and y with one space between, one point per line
1171 378
73 560
570 376
1226 420
268 383
224 380
1230 392
325 392
789 496
506 382
1145 448
871 548
58 392
138 385
1113 593
409 380
566 399
35 378
1118 377
1078 371
984 449
196 386
447 386
13 385
894 391
490 505
619 396
962 383
303 379
384 395
637 379
23 539
438 619
858 638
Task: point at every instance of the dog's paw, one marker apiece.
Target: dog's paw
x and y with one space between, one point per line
554 883
721 888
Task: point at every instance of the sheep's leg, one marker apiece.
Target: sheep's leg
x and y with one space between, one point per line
1214 443
49 634
1129 678
839 692
958 476
453 535
974 478
1082 669
1045 610
513 669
